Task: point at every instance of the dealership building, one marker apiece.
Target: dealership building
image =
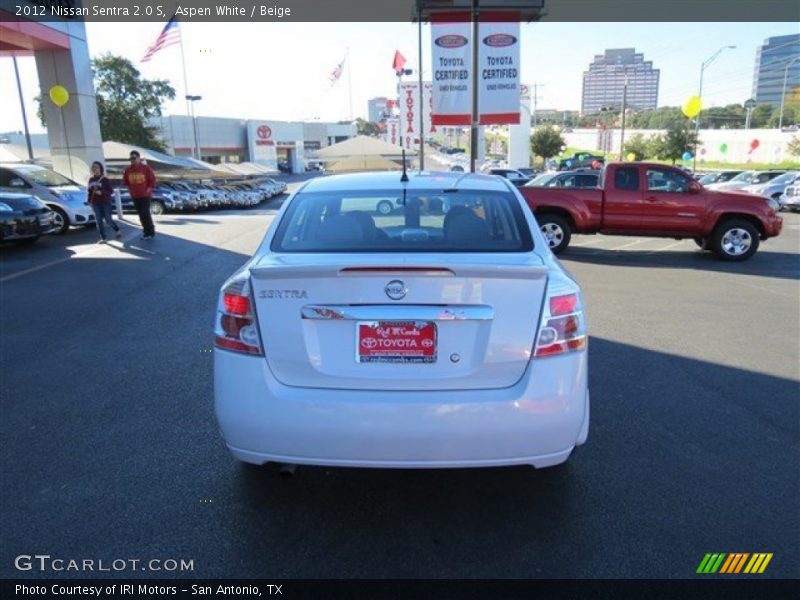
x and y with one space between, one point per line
263 141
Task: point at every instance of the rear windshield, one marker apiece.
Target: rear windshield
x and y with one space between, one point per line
421 221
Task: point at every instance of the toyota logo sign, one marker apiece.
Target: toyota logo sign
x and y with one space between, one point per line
264 132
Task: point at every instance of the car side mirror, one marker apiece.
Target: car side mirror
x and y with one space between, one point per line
695 187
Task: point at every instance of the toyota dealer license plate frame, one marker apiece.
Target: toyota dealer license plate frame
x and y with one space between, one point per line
404 342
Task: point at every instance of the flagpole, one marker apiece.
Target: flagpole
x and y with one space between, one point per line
186 87
349 83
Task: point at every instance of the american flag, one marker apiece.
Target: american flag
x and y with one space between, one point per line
337 72
170 35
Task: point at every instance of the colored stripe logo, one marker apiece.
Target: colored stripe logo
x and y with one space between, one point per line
734 562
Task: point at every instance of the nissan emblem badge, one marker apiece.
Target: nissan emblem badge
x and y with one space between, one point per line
396 289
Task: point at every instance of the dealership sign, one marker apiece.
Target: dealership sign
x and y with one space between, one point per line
261 144
410 107
392 132
498 68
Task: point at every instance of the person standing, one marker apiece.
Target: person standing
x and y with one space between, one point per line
99 197
140 181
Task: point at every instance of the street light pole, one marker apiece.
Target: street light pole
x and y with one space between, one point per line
196 149
624 108
25 116
703 66
783 94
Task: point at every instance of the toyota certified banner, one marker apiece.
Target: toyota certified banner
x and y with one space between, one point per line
498 72
451 61
410 107
498 68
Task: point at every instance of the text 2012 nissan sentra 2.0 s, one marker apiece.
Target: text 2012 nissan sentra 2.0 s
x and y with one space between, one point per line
442 334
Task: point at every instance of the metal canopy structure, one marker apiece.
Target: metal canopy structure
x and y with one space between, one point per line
117 158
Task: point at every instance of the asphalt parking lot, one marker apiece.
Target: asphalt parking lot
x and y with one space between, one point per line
110 448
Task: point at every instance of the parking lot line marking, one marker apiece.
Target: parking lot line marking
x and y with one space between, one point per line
586 243
33 269
766 289
628 245
91 250
667 247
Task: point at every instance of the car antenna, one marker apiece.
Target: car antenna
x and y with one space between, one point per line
404 176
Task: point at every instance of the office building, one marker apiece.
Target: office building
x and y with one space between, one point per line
772 60
604 81
376 107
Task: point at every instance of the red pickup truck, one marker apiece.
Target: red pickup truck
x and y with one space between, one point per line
651 199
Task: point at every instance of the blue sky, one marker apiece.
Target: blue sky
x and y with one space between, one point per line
280 71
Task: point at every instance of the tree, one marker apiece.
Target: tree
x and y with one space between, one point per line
679 139
794 146
657 146
790 114
546 142
639 146
126 101
364 127
761 115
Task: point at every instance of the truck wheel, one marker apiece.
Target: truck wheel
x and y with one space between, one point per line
735 240
556 232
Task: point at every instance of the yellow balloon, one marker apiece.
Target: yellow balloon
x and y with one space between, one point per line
692 107
631 156
59 95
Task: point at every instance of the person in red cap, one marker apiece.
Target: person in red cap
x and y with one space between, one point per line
140 181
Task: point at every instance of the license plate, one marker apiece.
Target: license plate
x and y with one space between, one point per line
396 342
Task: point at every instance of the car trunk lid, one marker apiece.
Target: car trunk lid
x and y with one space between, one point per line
469 325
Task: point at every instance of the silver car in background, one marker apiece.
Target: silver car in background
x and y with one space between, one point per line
775 188
745 179
63 196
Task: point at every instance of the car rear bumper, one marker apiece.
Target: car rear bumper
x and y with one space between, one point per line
538 421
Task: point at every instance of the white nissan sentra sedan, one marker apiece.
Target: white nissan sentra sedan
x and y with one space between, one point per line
444 334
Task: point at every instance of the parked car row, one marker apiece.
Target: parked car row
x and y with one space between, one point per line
67 199
175 196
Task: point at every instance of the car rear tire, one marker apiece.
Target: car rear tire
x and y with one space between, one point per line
157 207
60 219
385 207
556 232
735 240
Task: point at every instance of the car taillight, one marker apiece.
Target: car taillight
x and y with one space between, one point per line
236 328
562 328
